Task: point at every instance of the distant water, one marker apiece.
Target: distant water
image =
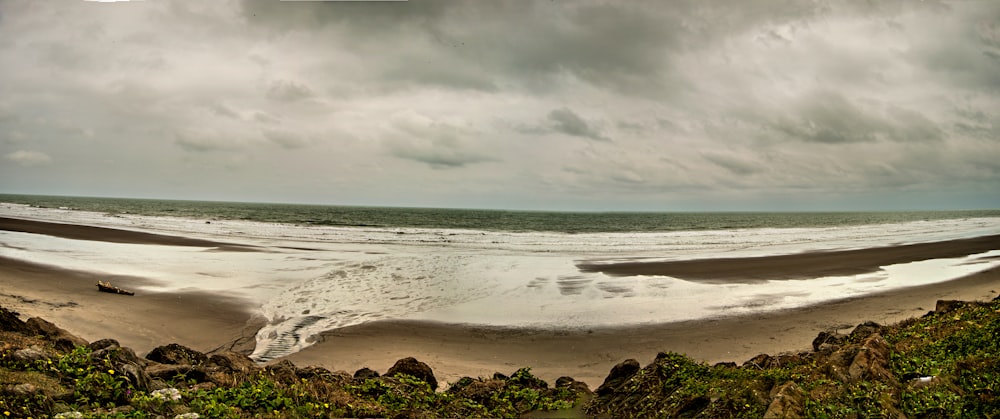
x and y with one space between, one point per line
327 267
486 220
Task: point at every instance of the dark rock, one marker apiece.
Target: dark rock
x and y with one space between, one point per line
827 338
945 306
176 354
23 389
460 384
572 384
788 402
176 372
232 362
762 361
871 361
9 321
60 338
365 373
863 330
103 344
419 370
283 371
31 354
481 392
619 375
499 376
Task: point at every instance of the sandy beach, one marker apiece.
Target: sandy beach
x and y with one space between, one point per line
207 321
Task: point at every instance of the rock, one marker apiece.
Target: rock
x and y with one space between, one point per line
176 354
827 338
60 338
944 306
23 389
232 362
283 371
572 384
30 354
788 402
103 344
871 361
365 373
123 361
172 372
863 330
9 321
410 366
619 375
499 376
460 384
762 361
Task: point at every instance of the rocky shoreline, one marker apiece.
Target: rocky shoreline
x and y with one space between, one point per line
45 370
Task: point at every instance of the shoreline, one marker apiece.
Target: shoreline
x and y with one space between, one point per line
206 321
803 265
454 351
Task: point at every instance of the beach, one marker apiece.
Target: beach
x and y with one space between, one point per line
208 321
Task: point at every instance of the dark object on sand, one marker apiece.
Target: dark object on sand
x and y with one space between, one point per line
107 287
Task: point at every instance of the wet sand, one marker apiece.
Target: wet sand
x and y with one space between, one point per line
207 321
798 265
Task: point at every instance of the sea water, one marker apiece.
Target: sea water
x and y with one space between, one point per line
324 267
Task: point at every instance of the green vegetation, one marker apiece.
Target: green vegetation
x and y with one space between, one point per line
88 382
946 364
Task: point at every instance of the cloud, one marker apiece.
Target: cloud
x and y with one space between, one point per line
200 141
286 139
27 158
569 123
438 144
288 91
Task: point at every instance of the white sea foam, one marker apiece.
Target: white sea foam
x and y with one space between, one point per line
311 279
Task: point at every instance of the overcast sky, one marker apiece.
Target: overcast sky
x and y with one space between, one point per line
568 105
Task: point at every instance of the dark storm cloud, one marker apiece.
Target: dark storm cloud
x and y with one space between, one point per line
702 99
569 123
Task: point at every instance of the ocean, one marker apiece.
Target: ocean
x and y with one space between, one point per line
488 220
326 267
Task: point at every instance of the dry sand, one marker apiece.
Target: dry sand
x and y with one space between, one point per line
205 321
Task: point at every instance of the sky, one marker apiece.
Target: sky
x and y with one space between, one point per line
559 105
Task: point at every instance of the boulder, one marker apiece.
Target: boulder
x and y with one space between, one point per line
60 338
10 322
232 362
410 366
871 361
619 375
762 361
945 306
365 373
827 340
31 354
572 384
788 401
125 363
176 354
103 344
283 371
174 372
864 330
